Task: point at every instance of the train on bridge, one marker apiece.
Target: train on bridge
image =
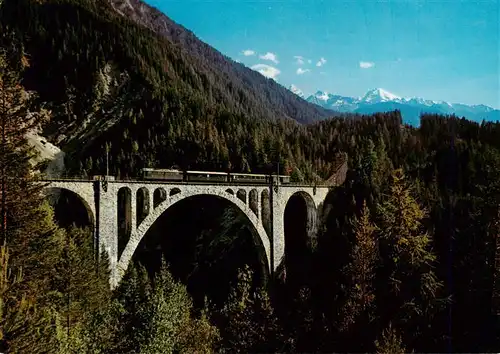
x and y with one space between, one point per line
172 175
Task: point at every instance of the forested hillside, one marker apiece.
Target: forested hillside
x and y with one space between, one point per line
94 68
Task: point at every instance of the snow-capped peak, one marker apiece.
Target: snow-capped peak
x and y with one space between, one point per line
296 90
379 95
323 96
380 100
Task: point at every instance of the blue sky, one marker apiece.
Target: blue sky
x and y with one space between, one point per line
440 50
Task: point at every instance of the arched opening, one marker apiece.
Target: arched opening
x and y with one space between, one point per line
254 201
230 191
159 196
205 239
142 204
242 195
174 191
69 208
124 208
265 208
300 237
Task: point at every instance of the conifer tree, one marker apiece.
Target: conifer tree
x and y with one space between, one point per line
19 198
149 316
26 227
390 342
360 272
82 282
30 233
171 327
409 289
247 320
15 313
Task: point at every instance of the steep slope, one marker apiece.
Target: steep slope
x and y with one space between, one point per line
229 72
296 91
85 48
109 81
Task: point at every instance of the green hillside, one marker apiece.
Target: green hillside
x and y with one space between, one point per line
94 68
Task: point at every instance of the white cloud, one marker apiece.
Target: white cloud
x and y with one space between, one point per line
270 56
366 64
300 59
321 62
301 71
309 61
267 70
248 52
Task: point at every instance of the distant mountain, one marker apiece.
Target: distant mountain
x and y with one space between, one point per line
379 95
335 102
380 100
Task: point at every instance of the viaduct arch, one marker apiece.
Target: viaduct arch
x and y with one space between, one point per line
139 233
84 193
264 207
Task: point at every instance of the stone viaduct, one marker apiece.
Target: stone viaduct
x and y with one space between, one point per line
263 205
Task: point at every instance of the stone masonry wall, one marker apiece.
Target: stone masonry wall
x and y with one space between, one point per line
187 191
101 198
314 198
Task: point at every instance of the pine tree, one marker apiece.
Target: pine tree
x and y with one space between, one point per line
382 168
83 284
409 290
360 272
247 320
36 245
170 326
149 317
15 313
15 122
390 342
26 226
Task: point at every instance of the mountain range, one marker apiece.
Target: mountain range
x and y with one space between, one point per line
380 100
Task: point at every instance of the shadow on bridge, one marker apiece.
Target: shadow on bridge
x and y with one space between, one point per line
204 239
69 208
300 227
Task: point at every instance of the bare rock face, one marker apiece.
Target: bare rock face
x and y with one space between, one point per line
49 153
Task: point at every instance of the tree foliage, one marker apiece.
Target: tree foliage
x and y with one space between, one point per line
360 271
247 320
412 288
